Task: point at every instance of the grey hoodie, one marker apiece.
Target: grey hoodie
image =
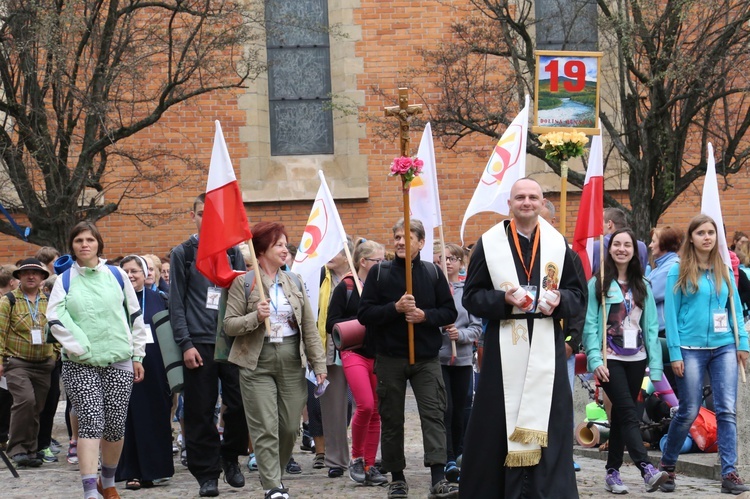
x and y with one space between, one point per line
469 329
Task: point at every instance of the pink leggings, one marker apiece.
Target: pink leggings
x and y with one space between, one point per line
366 421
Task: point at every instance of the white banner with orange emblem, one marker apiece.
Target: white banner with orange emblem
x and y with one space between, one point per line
324 238
506 165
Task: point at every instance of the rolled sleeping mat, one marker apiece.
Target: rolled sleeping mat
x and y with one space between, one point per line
170 351
590 434
665 392
348 335
687 445
581 367
62 264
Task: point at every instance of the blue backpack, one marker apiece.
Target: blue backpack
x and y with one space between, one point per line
115 272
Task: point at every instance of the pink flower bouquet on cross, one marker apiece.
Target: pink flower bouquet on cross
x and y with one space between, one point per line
408 168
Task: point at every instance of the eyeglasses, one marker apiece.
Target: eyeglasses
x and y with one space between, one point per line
376 260
451 259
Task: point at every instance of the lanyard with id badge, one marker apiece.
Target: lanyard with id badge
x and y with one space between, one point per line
630 326
719 315
275 335
147 327
36 330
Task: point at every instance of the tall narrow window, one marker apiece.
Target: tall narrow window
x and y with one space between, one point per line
299 77
566 25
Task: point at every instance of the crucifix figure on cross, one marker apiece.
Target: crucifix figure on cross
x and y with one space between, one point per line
404 112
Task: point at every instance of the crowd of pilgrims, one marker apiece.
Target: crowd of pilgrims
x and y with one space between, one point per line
656 293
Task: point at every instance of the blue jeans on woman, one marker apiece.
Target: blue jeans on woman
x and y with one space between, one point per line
721 364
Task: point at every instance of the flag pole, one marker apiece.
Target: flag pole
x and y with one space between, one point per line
604 297
258 282
564 196
736 332
351 266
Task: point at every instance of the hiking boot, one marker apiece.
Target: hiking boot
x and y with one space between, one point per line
374 477
209 488
613 483
232 473
20 459
733 484
443 490
55 446
277 493
47 455
357 470
292 467
335 472
398 490
452 472
652 477
668 485
72 456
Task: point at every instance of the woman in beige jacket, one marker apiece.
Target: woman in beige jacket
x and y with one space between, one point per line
272 362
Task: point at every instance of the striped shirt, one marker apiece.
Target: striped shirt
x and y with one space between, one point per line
16 325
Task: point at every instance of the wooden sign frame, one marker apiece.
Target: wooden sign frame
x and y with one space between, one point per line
576 77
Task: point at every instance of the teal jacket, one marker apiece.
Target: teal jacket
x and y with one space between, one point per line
592 330
689 316
90 320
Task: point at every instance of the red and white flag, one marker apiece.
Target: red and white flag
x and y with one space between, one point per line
324 238
425 201
590 223
711 206
506 165
224 219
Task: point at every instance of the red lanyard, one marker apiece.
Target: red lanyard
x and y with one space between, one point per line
520 254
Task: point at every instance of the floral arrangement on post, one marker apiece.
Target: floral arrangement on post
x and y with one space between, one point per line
562 146
408 168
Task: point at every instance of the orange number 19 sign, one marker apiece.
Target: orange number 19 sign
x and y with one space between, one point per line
567 92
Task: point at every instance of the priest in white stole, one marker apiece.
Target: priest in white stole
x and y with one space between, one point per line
519 440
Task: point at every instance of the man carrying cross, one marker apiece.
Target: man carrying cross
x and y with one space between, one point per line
514 447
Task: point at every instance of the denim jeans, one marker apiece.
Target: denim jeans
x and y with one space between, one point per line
721 364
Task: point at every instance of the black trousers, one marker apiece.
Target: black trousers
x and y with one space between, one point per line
625 380
6 400
457 383
47 416
204 447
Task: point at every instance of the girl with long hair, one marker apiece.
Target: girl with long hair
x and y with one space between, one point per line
632 345
701 339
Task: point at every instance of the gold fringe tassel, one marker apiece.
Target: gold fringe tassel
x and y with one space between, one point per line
518 459
527 436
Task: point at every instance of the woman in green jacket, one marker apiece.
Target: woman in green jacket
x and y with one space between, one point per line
632 344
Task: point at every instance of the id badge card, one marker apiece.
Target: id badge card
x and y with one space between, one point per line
36 336
630 337
276 333
721 320
213 295
149 334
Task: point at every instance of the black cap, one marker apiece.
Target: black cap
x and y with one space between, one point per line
31 264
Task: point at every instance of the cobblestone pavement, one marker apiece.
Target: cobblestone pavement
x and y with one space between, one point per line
61 480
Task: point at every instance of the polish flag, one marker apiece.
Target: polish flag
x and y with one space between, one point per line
224 222
425 201
506 165
590 223
711 206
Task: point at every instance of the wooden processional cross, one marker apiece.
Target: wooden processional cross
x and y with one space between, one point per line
404 112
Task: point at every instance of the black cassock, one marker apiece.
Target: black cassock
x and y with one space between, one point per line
483 475
147 450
